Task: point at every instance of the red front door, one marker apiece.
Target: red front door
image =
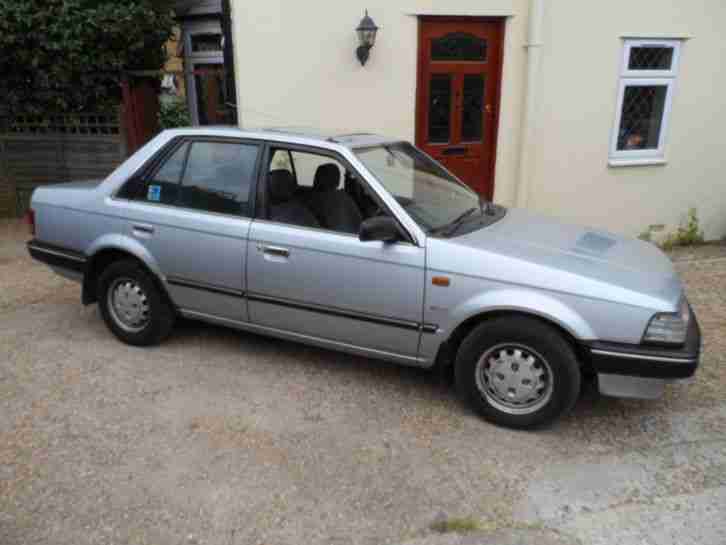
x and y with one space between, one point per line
458 96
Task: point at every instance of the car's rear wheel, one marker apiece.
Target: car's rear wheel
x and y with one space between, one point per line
132 305
517 372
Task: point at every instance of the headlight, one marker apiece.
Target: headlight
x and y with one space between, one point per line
669 327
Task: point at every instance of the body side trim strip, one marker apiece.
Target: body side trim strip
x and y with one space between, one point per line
265 329
212 288
394 322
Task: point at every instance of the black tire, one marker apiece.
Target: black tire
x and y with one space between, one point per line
160 313
529 333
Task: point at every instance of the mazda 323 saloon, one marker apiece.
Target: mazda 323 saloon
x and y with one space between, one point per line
366 245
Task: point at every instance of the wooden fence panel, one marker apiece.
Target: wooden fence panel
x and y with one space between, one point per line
52 150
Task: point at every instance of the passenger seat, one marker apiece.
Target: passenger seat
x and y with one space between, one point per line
284 206
334 208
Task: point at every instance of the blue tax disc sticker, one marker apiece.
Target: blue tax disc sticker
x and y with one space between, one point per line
154 193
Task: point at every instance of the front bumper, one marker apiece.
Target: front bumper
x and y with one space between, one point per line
641 371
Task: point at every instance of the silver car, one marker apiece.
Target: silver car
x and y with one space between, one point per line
366 245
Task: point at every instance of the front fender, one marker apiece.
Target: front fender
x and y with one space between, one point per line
525 301
449 309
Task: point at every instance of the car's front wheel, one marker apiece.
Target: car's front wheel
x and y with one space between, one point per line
517 372
132 306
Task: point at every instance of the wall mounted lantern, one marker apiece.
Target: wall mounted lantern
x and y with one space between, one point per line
366 30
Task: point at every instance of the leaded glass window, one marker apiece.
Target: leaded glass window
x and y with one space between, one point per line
440 108
459 46
642 116
472 116
644 101
650 57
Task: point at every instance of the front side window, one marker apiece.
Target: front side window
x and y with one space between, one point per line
207 176
647 80
431 196
311 189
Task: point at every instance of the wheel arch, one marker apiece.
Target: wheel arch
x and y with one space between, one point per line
105 252
574 331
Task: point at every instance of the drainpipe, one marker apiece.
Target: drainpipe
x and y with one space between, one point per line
531 106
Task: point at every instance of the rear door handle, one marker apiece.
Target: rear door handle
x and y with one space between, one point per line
143 229
276 251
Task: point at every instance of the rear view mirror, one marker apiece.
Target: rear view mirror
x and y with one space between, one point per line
381 228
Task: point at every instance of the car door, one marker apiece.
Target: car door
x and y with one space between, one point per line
192 213
329 285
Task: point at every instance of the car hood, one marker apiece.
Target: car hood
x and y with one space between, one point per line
529 249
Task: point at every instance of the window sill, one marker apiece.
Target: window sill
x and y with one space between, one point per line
651 161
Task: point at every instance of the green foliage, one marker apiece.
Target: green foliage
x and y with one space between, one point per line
68 55
686 235
457 525
646 236
174 113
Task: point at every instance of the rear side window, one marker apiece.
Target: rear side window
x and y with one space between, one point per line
218 177
203 175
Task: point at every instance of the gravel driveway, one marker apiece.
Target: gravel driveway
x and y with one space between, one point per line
220 437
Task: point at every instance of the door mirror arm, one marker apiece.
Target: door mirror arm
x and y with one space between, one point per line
383 228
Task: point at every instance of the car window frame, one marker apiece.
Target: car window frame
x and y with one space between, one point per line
158 160
261 205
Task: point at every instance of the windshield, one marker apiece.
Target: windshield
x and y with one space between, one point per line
431 196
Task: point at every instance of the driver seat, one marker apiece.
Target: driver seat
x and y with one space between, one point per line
335 209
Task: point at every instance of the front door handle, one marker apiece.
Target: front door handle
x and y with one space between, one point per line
276 251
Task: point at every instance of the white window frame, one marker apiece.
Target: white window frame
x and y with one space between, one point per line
636 78
200 57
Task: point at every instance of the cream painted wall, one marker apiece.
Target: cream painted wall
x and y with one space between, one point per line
296 65
578 90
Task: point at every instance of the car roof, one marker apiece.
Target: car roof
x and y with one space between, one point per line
298 135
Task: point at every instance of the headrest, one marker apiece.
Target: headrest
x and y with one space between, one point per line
281 185
327 177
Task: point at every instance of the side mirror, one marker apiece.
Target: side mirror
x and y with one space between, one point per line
381 228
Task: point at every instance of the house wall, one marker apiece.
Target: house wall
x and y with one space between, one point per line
581 56
296 65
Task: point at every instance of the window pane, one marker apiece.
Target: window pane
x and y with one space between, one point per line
163 186
472 115
650 58
307 164
212 105
459 46
439 108
642 117
427 192
218 177
206 42
171 171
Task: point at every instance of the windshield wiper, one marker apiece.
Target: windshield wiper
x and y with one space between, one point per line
452 227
